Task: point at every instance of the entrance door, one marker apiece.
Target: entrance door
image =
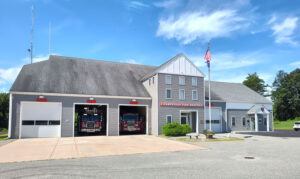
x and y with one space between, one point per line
252 124
184 119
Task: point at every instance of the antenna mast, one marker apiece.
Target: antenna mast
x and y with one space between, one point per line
31 38
49 44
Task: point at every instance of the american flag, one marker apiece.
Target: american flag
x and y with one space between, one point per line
207 57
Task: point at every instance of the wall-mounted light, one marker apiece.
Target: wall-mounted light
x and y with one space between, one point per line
41 99
134 101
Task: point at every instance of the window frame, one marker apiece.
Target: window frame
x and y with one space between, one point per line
196 80
153 80
167 93
149 81
167 118
196 95
183 94
183 80
166 81
244 121
234 121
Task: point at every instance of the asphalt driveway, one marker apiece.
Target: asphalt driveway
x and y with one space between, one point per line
276 133
78 147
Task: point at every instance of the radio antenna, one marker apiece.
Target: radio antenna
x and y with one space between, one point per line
31 38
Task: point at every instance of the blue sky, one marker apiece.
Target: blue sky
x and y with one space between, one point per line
246 36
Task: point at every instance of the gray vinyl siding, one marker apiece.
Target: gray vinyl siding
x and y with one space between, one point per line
67 112
239 114
222 105
163 111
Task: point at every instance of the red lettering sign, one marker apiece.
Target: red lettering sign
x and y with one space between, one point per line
180 104
41 99
91 101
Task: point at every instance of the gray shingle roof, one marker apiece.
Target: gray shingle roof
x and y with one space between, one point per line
234 93
69 75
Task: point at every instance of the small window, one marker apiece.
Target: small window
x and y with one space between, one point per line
168 79
149 82
41 122
260 121
233 121
168 93
194 81
244 121
195 95
54 122
181 94
169 119
181 80
27 123
152 80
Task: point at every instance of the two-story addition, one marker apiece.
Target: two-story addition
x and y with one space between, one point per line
48 97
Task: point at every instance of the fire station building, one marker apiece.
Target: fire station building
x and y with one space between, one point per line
54 98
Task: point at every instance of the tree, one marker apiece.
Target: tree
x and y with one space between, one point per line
4 110
286 95
255 83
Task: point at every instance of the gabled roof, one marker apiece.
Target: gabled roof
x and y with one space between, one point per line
235 93
69 75
258 109
188 68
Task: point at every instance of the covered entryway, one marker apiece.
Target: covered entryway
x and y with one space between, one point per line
90 119
216 119
190 118
133 119
260 118
40 119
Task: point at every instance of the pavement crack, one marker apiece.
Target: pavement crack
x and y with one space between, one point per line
52 153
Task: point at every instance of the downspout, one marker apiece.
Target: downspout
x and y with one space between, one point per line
10 115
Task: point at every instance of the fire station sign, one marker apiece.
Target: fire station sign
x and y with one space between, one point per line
180 104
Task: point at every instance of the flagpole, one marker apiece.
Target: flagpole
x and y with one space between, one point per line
209 101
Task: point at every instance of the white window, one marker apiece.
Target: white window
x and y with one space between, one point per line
168 93
149 82
194 81
181 94
168 79
169 119
181 80
232 121
195 95
152 80
244 121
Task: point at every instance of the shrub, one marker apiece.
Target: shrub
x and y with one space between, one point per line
208 132
176 129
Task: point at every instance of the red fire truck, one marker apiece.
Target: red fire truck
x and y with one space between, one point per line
131 122
90 121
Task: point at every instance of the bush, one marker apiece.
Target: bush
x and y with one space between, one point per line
208 132
176 129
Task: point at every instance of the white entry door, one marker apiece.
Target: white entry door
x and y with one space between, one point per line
216 119
40 119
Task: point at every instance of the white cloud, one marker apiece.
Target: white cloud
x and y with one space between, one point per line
295 64
131 61
137 5
167 3
228 61
284 31
3 90
9 75
37 58
190 26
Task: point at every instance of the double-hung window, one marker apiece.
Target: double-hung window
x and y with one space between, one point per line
232 121
195 95
181 80
169 119
181 94
244 121
168 79
194 81
168 94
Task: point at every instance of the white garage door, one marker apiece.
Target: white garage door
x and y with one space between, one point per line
40 119
216 119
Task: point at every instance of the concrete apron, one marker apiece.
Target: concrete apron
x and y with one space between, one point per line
75 147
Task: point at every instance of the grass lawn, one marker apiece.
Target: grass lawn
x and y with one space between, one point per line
3 137
287 125
211 140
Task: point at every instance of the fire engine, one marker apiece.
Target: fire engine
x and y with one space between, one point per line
130 122
90 121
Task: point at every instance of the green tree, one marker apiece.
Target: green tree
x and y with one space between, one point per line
4 109
286 95
255 83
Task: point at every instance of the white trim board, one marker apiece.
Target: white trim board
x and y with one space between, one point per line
246 106
79 95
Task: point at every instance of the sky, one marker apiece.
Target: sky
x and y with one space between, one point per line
245 36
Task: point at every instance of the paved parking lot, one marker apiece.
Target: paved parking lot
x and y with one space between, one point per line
77 147
276 133
273 158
